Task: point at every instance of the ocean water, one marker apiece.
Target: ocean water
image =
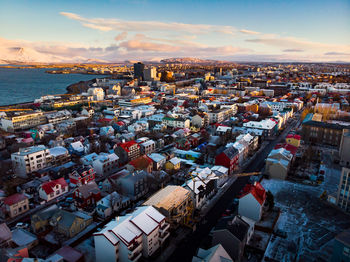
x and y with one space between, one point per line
24 85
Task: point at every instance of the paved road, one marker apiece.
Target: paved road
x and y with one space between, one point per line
188 247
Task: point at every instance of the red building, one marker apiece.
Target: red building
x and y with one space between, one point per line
82 176
142 163
86 195
127 151
228 158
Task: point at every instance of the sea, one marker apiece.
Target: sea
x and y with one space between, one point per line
25 85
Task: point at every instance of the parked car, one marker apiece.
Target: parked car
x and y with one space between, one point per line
22 225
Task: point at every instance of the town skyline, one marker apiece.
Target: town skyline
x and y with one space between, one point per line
112 31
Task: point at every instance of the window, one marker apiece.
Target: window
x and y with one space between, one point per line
52 194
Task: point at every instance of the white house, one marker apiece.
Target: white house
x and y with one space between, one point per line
251 201
109 204
97 93
129 237
105 164
53 189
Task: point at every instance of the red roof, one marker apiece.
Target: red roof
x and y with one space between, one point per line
14 199
48 186
290 148
256 190
128 144
141 162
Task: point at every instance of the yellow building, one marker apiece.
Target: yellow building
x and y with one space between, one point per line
173 164
293 140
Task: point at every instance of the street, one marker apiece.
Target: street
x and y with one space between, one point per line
188 247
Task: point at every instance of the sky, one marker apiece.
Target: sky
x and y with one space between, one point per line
118 30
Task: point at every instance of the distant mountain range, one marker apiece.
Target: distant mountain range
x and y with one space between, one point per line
22 55
191 60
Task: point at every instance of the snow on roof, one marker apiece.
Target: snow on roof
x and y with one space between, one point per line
147 143
175 161
78 146
196 186
223 129
58 150
220 169
156 157
168 197
145 218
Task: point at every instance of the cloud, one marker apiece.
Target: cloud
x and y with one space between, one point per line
121 36
295 43
121 25
295 50
337 54
249 32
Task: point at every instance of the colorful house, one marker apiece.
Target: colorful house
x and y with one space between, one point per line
86 195
251 201
293 140
228 158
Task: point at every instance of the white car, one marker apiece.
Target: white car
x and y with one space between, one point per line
22 225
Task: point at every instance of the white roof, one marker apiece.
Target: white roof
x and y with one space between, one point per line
147 219
220 169
175 160
223 128
78 146
58 150
156 157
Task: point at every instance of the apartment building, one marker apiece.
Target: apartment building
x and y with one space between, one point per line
58 116
30 159
105 164
343 197
148 147
15 122
129 237
176 122
219 115
174 202
127 151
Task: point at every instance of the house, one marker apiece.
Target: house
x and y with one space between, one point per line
133 184
228 158
76 148
278 162
5 235
53 189
105 164
82 175
60 155
14 205
158 160
109 204
147 147
141 163
70 224
174 202
68 254
200 120
215 254
127 151
233 236
222 173
86 195
129 237
293 140
173 164
251 201
40 220
23 238
341 247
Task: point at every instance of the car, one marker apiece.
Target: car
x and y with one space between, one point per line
69 200
22 225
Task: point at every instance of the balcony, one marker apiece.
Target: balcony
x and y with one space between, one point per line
136 256
163 237
164 228
135 248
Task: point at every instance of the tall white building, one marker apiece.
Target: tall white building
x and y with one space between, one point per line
129 237
97 93
150 74
30 159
